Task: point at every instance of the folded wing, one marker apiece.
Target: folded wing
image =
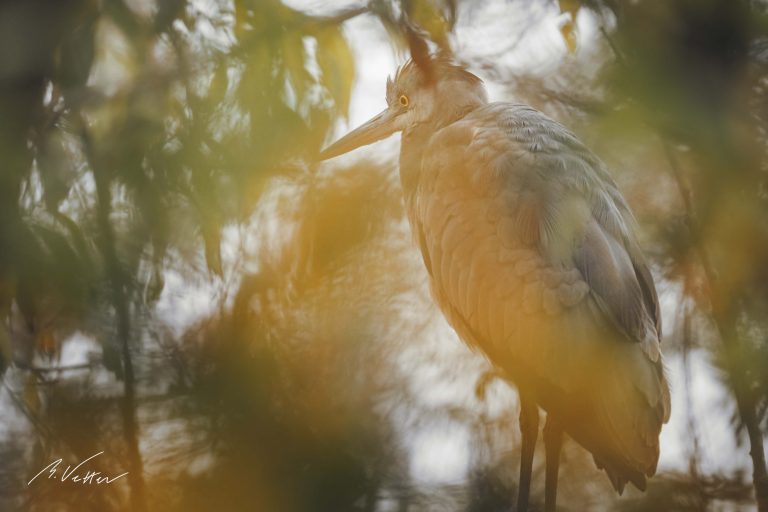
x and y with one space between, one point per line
534 260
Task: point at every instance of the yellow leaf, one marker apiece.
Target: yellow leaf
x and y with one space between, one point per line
568 29
570 35
30 396
570 6
46 342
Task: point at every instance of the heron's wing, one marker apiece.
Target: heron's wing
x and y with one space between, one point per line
572 210
533 258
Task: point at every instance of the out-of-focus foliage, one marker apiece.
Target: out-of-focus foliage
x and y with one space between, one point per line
164 120
675 99
133 134
254 332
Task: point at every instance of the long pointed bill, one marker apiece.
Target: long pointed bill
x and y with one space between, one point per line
377 128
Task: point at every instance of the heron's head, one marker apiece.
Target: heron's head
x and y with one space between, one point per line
417 97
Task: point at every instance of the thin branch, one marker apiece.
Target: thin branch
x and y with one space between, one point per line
344 15
54 369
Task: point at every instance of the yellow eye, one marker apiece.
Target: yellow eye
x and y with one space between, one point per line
404 100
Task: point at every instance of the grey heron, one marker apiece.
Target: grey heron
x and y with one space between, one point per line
533 259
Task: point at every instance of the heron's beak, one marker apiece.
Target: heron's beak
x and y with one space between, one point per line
379 127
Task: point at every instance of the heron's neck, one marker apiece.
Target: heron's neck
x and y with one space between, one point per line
454 99
412 146
448 115
415 139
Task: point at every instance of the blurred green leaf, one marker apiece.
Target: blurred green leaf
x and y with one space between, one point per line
76 56
434 16
337 65
219 84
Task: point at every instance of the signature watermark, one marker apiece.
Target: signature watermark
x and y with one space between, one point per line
76 474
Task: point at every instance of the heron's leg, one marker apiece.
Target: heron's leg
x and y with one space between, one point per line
529 430
553 442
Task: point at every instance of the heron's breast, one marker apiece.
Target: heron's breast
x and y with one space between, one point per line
498 292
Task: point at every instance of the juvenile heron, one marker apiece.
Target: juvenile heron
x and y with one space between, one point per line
533 259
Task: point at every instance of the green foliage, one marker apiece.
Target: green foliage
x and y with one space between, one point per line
181 127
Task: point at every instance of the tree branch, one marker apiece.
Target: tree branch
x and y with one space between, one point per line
119 301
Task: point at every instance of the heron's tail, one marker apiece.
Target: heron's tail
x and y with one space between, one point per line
630 406
617 412
619 478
